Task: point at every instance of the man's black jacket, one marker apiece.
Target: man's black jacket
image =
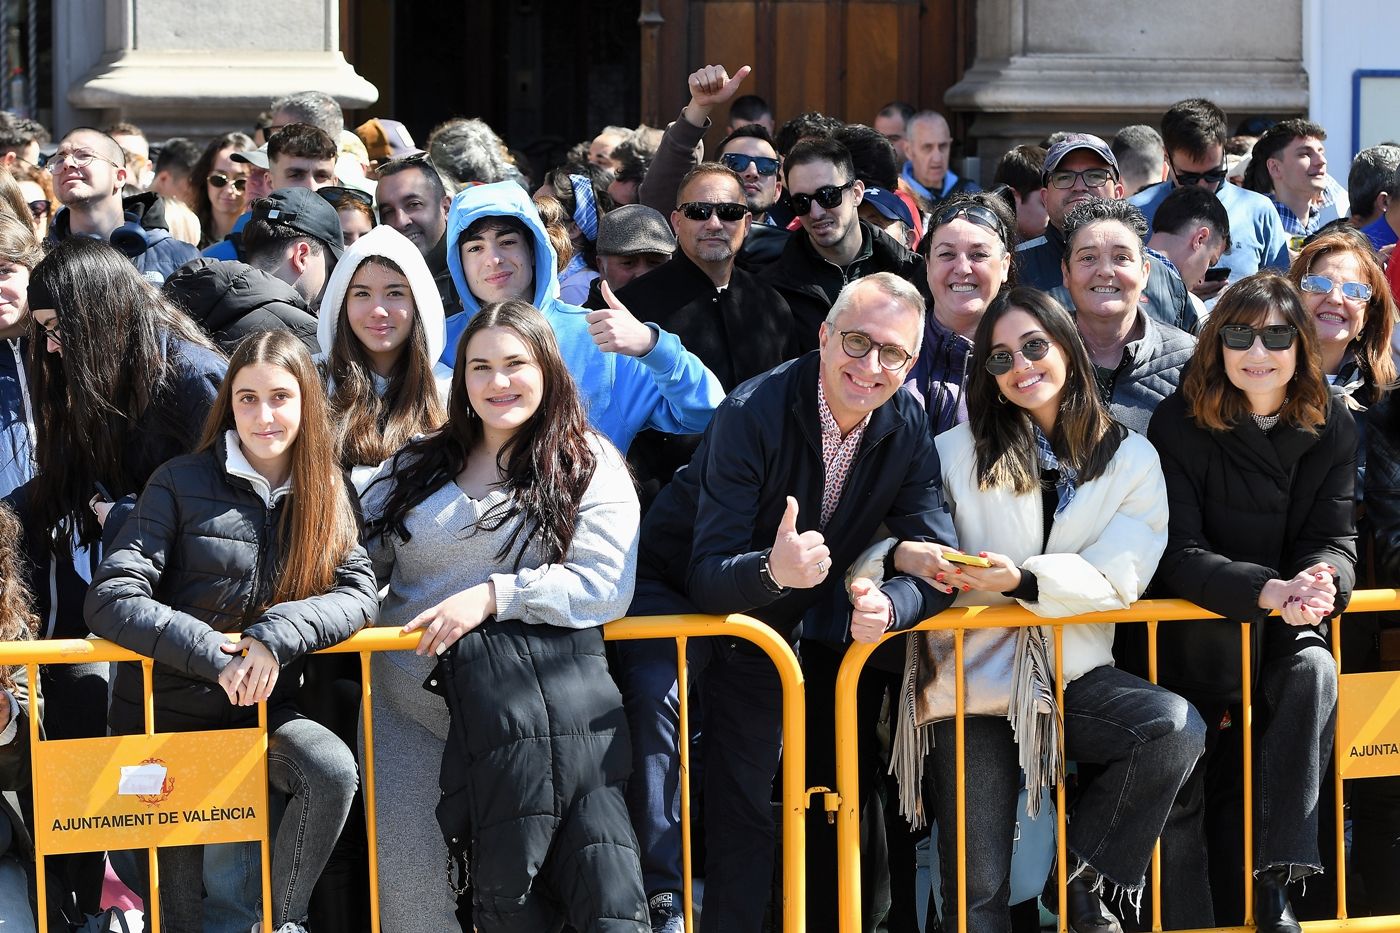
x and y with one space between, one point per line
703 540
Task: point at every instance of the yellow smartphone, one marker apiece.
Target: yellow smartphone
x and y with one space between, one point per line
956 557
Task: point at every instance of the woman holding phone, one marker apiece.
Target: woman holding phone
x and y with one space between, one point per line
254 534
1068 511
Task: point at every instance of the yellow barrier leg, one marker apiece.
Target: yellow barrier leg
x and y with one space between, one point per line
1337 784
683 737
1247 724
266 846
371 830
1062 858
148 700
40 876
848 788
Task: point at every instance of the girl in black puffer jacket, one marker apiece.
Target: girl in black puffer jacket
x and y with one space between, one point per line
255 533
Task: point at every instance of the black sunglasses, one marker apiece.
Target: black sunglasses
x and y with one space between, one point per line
1215 176
1274 336
740 162
334 194
700 211
828 196
999 362
973 213
221 180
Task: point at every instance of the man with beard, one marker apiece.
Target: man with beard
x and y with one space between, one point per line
750 152
739 328
413 200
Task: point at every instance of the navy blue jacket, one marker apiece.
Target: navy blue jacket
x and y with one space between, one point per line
703 540
144 239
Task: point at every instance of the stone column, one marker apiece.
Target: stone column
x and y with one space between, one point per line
1098 65
177 68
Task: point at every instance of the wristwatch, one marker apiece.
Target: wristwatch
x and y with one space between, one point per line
766 575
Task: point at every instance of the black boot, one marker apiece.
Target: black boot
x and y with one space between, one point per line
1272 912
1085 908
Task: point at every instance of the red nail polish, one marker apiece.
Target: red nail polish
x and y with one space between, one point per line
981 553
966 587
938 577
958 571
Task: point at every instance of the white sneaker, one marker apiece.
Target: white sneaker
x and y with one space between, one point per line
287 927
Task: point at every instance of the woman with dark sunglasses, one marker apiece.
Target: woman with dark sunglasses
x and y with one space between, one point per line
1260 465
219 184
1066 512
967 261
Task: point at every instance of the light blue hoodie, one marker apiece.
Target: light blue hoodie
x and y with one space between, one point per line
668 389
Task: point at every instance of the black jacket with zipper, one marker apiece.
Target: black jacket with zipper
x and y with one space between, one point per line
704 538
195 560
810 283
1246 507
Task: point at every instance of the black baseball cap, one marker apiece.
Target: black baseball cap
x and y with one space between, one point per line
304 211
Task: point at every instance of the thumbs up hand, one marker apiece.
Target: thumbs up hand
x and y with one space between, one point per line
871 611
615 330
799 560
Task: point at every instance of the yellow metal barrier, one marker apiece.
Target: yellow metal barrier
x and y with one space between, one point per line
1151 612
680 627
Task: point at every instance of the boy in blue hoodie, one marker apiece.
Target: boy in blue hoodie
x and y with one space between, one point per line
631 375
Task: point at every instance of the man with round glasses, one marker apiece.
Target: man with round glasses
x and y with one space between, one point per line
1194 133
798 470
89 172
1078 169
834 246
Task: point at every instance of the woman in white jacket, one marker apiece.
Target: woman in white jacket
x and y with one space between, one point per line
1070 511
381 331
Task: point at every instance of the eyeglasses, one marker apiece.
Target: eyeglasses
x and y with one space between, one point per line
1275 336
1322 285
891 355
973 213
221 180
49 333
1092 177
701 211
39 208
828 196
740 163
1216 176
1000 362
78 158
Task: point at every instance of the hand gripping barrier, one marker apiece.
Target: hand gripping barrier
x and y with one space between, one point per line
1150 612
247 765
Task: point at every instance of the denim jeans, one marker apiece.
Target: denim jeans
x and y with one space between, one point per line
1145 741
1295 722
232 874
742 745
307 762
15 915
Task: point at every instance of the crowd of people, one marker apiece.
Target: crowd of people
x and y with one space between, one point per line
262 393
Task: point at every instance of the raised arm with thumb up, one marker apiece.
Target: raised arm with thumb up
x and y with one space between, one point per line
799 560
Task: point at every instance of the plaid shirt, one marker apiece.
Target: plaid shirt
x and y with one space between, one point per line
1293 225
838 453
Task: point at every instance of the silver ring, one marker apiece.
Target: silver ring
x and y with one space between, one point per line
821 566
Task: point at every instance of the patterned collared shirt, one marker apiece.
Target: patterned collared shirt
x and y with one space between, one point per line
838 453
1293 225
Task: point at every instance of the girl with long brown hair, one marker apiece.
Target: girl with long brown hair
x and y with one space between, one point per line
508 537
1069 512
381 332
254 534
